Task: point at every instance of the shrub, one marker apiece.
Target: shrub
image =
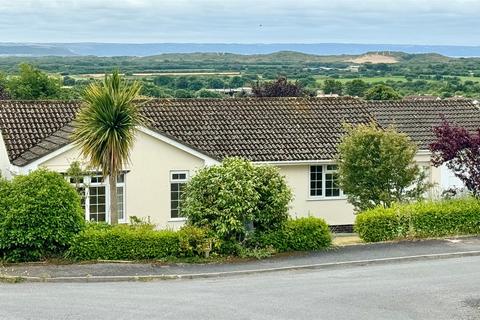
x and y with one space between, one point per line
40 213
304 234
420 220
377 167
124 242
231 197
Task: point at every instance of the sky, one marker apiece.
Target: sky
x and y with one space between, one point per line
428 22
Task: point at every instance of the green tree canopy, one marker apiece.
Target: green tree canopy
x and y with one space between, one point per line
377 167
382 92
32 84
204 93
331 86
356 88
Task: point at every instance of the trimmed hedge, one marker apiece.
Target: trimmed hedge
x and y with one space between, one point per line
123 242
40 214
304 234
420 220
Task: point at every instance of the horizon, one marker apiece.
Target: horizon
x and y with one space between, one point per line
406 22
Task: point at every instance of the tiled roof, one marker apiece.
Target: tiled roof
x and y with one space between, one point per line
32 129
267 129
417 118
259 129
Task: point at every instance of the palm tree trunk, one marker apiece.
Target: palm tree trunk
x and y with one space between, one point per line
112 180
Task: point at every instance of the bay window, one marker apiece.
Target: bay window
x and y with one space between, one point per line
95 196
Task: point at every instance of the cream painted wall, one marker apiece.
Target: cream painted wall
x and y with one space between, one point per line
334 211
148 180
4 162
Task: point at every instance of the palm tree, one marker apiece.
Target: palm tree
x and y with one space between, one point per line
105 128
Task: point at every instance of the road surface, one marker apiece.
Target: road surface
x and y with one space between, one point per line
435 289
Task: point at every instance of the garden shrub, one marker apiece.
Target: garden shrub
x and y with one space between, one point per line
236 196
40 213
303 234
127 242
420 220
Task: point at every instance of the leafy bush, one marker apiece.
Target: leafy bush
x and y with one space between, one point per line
142 242
40 213
231 197
304 234
377 167
420 220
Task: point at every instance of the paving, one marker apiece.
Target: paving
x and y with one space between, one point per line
336 257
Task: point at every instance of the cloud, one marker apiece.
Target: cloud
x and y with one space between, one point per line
248 21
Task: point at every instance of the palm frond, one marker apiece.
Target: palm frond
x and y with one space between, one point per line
105 125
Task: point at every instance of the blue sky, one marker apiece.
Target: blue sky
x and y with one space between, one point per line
453 22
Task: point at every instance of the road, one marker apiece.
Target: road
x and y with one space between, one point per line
435 289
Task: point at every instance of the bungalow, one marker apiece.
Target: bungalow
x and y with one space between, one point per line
298 135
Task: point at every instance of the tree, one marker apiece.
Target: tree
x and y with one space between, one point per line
280 88
215 83
204 93
459 150
105 128
377 167
236 82
382 92
32 84
3 87
331 86
183 94
356 88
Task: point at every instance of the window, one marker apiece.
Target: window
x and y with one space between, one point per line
331 181
94 192
316 181
324 181
178 179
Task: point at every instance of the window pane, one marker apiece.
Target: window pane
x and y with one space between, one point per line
176 190
121 178
316 181
331 185
120 203
97 207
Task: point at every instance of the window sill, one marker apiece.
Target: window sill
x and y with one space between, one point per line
177 219
326 198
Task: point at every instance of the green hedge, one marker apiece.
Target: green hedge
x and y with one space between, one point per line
304 234
124 242
420 220
40 214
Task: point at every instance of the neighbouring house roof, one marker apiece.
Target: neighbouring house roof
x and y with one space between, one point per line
259 129
264 129
417 118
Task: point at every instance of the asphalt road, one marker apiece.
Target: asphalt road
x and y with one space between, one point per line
435 289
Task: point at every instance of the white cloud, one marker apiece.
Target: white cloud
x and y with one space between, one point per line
373 21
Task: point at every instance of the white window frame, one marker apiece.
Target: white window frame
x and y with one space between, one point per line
172 180
341 196
87 183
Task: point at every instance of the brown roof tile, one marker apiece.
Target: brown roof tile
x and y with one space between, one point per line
417 118
267 129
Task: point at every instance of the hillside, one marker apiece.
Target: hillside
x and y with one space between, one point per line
150 49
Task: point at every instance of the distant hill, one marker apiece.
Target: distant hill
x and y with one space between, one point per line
141 50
